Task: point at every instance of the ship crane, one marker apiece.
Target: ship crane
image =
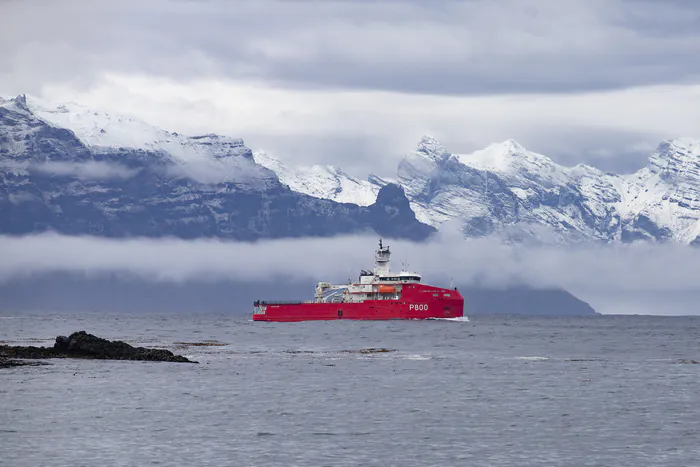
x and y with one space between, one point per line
326 292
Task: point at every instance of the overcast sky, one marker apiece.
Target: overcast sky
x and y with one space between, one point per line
356 83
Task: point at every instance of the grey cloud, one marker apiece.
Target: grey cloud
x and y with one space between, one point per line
212 171
356 155
449 47
615 271
21 197
91 170
610 150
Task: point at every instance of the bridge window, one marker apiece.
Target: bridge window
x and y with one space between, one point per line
400 278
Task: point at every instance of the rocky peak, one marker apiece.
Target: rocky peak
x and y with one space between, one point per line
677 159
429 147
21 101
394 195
393 217
16 104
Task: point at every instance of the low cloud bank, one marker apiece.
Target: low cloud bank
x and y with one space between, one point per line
88 170
212 171
488 262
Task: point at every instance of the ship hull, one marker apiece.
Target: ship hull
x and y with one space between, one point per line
421 302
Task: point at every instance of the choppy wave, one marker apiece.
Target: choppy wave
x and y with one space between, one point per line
291 386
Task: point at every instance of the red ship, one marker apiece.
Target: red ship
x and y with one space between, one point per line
379 294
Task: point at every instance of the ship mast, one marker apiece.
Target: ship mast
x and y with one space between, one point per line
381 260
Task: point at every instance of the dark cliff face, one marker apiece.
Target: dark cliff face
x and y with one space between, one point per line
391 215
49 181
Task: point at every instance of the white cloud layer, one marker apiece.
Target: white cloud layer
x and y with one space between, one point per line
606 276
88 170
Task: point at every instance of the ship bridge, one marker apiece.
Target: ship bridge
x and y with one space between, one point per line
401 277
381 283
382 273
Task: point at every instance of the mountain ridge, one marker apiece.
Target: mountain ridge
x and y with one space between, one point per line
507 188
503 189
211 186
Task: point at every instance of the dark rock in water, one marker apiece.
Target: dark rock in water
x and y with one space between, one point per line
30 352
86 345
371 350
9 363
83 345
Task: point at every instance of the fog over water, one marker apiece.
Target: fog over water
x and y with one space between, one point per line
615 279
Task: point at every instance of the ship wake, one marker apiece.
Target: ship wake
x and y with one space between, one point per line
461 319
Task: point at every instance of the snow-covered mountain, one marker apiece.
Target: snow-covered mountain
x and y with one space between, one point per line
324 181
101 130
662 200
506 189
57 175
503 189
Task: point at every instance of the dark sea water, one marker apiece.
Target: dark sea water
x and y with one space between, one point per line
597 391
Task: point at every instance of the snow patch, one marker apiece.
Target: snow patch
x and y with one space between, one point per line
322 181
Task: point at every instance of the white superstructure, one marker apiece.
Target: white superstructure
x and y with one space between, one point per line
379 284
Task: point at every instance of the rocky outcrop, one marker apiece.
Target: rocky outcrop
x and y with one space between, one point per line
83 345
391 215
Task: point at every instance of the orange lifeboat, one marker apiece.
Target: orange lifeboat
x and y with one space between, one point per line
387 289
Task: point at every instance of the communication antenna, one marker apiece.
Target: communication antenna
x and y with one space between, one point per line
452 284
